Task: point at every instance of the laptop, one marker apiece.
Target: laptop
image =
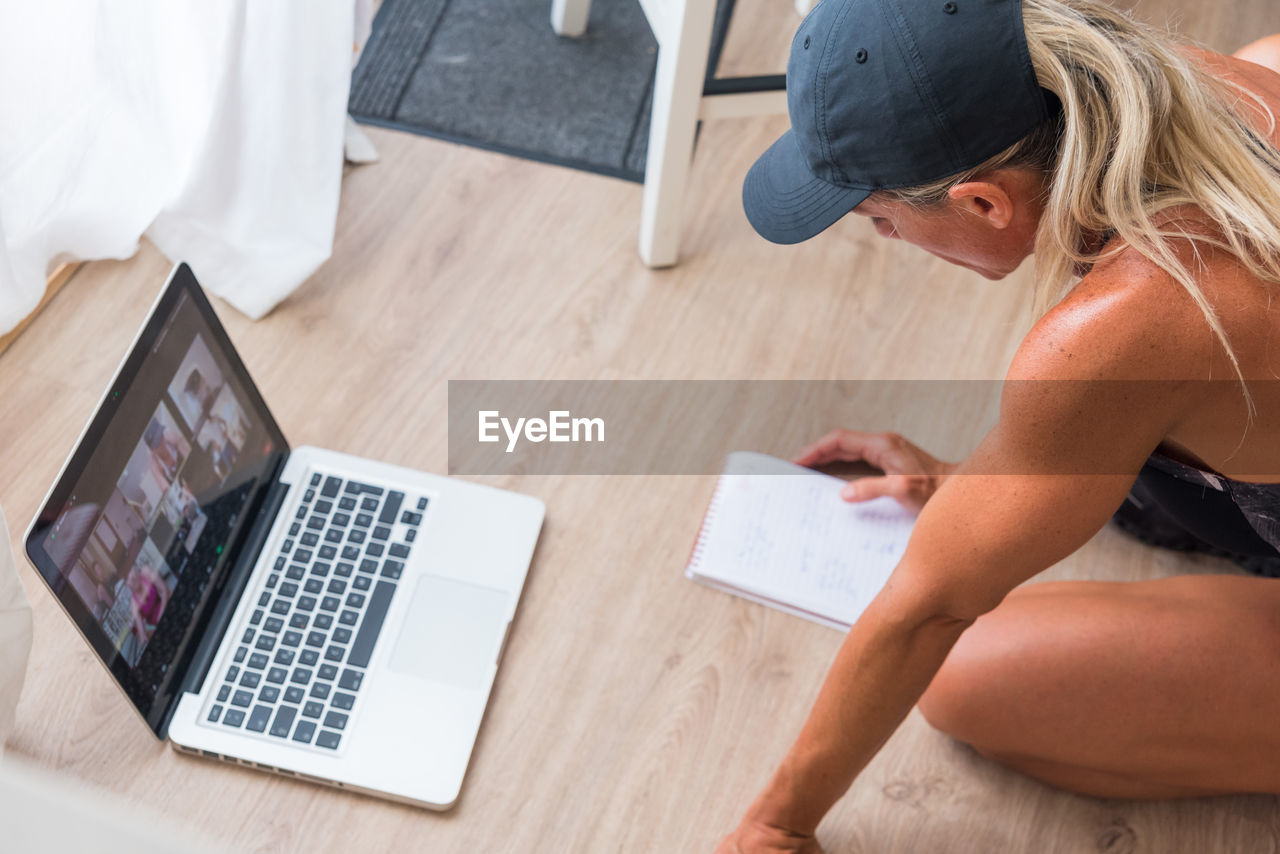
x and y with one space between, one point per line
297 610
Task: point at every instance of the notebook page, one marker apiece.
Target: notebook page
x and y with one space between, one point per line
780 533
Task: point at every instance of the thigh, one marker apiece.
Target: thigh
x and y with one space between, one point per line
1176 680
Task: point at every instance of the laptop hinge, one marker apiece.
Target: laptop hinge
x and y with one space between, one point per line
220 618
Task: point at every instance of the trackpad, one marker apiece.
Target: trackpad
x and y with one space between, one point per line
451 633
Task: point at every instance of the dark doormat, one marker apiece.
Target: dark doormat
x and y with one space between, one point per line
493 74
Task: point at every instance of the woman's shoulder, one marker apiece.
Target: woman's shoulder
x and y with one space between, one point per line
1126 319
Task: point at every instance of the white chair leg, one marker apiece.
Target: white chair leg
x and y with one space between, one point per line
569 17
684 43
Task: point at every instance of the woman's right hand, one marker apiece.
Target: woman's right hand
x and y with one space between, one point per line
911 476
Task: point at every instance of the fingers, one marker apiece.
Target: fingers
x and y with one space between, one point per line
895 486
880 449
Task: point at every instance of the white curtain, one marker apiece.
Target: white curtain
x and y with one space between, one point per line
215 128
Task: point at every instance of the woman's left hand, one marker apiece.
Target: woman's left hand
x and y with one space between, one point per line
752 837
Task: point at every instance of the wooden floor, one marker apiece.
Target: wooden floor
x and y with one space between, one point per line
636 711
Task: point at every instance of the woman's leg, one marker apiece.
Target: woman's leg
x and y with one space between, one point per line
1265 51
1152 689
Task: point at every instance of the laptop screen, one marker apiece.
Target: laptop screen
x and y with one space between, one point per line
137 535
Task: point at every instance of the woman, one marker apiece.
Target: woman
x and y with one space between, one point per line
984 131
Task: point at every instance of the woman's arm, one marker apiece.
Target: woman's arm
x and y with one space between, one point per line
1069 441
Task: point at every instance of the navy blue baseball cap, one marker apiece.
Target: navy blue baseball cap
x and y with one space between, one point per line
892 93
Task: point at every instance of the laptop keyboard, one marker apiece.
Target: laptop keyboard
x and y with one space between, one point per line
304 652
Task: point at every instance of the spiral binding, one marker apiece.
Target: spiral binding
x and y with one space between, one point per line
699 544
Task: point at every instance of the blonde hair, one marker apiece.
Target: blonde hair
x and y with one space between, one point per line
1142 129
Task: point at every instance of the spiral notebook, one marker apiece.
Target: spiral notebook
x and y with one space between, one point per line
779 534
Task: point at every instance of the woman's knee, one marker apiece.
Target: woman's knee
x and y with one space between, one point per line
958 700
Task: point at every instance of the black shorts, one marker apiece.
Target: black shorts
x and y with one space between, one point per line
1176 506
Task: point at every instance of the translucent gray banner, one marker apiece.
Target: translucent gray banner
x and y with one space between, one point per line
690 426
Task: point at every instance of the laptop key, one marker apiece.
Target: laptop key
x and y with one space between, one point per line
381 532
331 487
422 504
232 673
392 568
364 520
309 657
363 582
266 643
328 739
273 625
280 606
214 714
355 600
293 694
234 717
371 625
337 586
309 539
320 569
313 710
277 674
301 676
306 603
223 693
250 679
279 564
284 721
258 719
264 599
341 520
343 701
330 603
351 680
292 638
256 618
333 535
284 657
324 506
304 732
334 653
342 635
347 503
355 535
242 699
411 535
315 481
328 553
295 572
327 672
348 618
315 523
350 553
367 565
269 694
258 661
320 690
287 547
241 653
323 621
273 580
313 585
335 720
398 550
298 621
391 508
369 503
316 639
373 549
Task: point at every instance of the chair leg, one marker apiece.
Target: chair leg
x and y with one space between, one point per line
684 43
569 17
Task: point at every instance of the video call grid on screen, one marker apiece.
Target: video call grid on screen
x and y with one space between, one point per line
150 515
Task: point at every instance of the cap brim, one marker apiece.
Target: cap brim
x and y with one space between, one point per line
785 203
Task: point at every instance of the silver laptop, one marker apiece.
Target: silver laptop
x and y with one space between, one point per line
299 610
